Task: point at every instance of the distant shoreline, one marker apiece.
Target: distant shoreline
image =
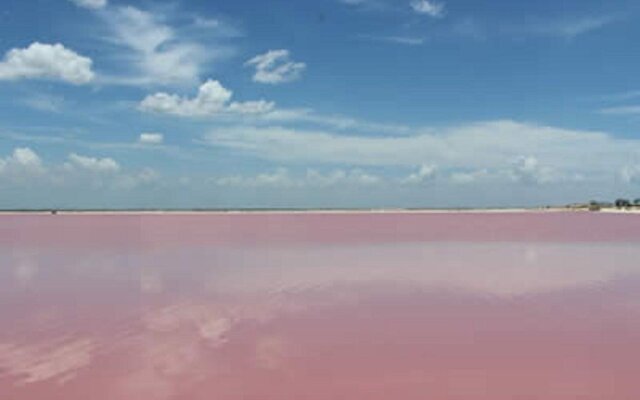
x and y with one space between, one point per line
314 211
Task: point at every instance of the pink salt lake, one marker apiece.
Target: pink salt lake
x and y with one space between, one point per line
483 306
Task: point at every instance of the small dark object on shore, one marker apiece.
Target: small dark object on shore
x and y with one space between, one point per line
622 203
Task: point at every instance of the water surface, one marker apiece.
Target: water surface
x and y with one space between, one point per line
320 306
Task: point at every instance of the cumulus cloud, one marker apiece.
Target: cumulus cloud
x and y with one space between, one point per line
151 138
26 157
144 178
212 99
23 161
426 173
157 52
91 4
529 170
630 174
550 154
93 164
428 7
24 168
46 61
275 66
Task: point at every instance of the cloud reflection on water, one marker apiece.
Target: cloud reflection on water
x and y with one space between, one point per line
169 322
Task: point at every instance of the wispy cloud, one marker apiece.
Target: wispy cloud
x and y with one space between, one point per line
629 95
66 141
523 152
621 110
282 177
157 53
337 122
276 66
366 4
91 4
354 2
402 40
567 28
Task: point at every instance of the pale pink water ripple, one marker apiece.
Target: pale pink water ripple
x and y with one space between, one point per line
310 306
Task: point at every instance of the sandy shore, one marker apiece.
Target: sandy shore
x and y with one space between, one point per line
292 211
324 211
310 211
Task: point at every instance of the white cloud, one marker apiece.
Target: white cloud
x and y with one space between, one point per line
630 174
468 177
281 177
369 5
206 23
151 138
622 96
334 121
404 40
529 170
22 161
158 54
552 154
143 178
26 157
275 66
428 7
212 99
278 178
93 164
26 169
621 110
92 4
426 173
340 177
46 61
568 28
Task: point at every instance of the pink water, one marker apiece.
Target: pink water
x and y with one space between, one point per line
306 306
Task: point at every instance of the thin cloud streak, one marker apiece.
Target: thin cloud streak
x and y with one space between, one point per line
401 40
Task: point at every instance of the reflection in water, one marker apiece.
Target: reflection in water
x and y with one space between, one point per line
45 361
302 320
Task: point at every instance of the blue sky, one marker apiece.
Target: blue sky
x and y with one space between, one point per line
326 103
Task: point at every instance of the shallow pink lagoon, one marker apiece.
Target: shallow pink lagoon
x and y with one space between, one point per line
483 306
